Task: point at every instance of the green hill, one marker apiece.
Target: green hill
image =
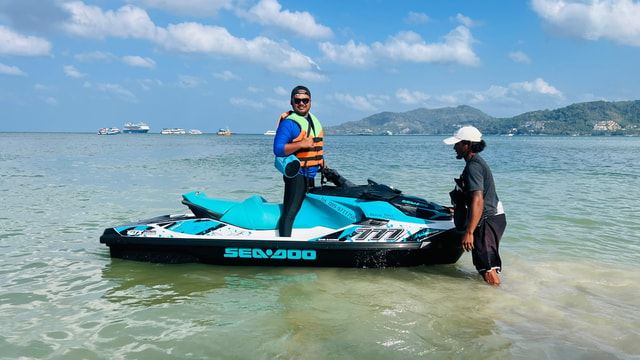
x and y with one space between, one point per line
589 118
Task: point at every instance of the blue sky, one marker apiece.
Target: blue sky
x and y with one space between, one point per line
78 66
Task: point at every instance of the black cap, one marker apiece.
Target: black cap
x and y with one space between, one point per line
300 90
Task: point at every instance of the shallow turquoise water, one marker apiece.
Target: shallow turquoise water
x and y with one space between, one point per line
570 255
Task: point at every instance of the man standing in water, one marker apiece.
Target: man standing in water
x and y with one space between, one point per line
485 219
299 132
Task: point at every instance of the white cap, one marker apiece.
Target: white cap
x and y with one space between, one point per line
465 133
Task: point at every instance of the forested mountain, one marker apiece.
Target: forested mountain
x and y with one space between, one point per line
589 118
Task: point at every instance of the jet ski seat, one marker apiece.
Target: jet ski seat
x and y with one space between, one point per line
254 213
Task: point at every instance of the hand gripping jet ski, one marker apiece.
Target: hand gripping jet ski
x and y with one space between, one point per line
340 225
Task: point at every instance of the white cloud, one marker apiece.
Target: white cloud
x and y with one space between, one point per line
187 7
189 37
117 90
11 70
361 102
113 89
126 22
406 46
265 12
226 75
408 97
187 81
269 12
94 56
244 103
13 43
350 54
466 21
215 40
197 38
50 100
513 97
519 57
44 94
279 90
139 61
71 71
615 20
416 18
410 47
147 84
538 86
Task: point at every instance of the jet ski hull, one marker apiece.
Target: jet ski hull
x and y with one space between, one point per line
139 241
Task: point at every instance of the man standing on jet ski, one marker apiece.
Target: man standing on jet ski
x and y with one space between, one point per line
475 196
300 133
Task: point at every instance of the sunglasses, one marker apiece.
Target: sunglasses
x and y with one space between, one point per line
298 101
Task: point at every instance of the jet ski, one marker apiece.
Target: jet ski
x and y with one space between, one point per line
339 225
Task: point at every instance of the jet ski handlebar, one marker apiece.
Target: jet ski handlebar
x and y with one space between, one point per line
334 177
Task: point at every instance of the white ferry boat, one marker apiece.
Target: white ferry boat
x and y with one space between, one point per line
270 132
170 131
109 131
138 128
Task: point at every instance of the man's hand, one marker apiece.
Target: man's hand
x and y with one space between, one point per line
467 241
305 143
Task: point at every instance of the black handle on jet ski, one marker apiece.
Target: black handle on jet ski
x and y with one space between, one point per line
333 176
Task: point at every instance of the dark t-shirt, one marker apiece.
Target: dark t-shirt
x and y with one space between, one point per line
477 176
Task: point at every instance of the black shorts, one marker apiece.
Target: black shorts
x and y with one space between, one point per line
486 243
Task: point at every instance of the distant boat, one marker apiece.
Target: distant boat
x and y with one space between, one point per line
224 132
270 132
171 131
109 131
138 128
195 132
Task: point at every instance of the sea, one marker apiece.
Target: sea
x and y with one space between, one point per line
571 255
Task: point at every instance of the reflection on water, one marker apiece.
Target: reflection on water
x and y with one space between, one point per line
308 313
150 284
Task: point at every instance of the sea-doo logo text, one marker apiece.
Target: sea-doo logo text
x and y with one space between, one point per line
257 253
